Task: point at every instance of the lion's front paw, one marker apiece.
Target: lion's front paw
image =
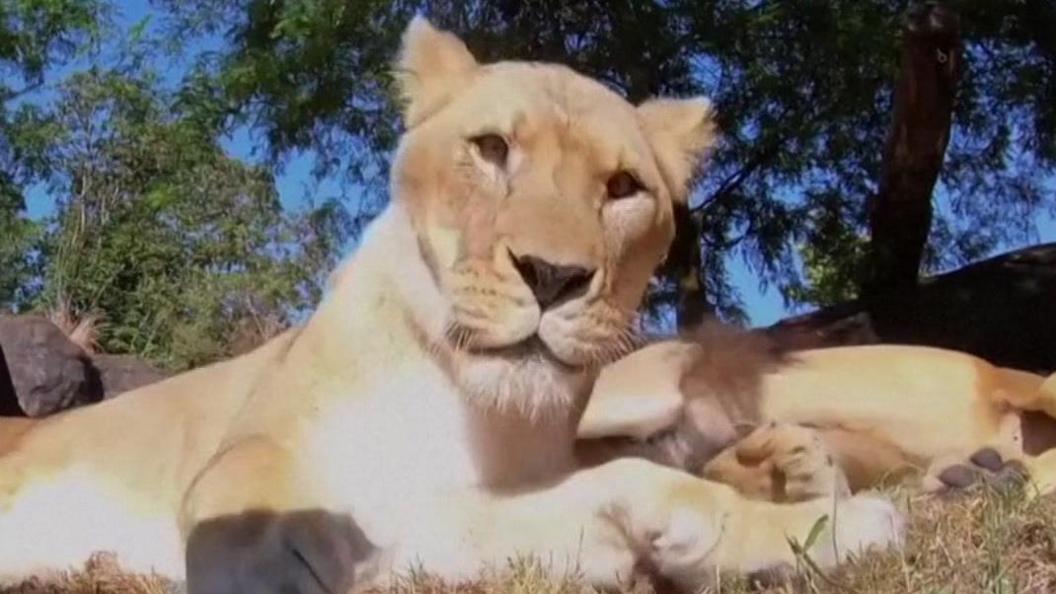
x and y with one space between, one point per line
780 462
759 538
828 532
685 545
863 522
266 552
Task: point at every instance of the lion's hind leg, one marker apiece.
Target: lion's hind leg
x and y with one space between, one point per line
1035 397
1023 390
986 466
1041 473
1045 397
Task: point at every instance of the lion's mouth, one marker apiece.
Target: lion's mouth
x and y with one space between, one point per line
532 348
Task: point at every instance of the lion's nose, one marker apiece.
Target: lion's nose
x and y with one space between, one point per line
551 283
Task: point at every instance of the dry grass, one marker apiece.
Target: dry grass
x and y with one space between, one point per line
992 541
988 541
82 330
99 576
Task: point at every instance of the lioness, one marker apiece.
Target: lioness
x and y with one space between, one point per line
733 407
425 416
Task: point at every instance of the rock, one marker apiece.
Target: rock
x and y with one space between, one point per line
121 373
48 371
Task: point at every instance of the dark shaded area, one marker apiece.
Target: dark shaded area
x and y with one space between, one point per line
1002 309
8 401
1039 433
314 552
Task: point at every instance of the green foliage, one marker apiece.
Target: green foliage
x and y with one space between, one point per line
16 258
184 251
803 87
34 35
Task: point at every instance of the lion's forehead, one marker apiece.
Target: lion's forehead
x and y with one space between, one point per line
554 102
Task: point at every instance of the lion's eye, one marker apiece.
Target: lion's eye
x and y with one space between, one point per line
622 185
492 148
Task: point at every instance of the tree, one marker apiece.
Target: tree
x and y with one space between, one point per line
186 252
804 89
35 35
900 212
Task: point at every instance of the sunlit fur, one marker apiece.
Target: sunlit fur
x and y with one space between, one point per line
408 424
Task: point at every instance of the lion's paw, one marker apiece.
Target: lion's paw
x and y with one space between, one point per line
686 544
807 468
780 462
850 527
864 522
986 467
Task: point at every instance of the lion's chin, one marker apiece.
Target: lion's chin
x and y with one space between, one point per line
525 378
530 351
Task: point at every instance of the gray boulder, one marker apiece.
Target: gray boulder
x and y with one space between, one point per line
49 373
121 373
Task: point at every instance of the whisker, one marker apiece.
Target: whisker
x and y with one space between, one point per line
457 336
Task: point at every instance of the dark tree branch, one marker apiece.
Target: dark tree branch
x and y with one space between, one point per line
9 95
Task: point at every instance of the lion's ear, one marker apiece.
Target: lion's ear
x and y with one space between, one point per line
683 133
431 67
639 395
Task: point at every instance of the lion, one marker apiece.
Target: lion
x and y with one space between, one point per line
424 418
777 425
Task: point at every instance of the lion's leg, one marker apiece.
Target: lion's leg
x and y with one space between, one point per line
249 528
632 513
869 461
779 462
1045 397
608 523
1041 472
1024 390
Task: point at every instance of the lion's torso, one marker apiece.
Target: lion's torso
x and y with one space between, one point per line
357 408
426 412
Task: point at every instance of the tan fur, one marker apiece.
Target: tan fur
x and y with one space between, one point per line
880 412
410 424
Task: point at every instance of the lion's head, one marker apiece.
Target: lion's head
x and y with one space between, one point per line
542 203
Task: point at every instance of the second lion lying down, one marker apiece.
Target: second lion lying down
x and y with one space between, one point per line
790 426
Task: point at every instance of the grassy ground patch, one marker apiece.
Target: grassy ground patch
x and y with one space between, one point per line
987 541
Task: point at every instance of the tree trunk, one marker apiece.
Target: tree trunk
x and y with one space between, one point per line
683 264
900 213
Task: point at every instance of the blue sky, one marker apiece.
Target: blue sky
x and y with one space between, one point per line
296 183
